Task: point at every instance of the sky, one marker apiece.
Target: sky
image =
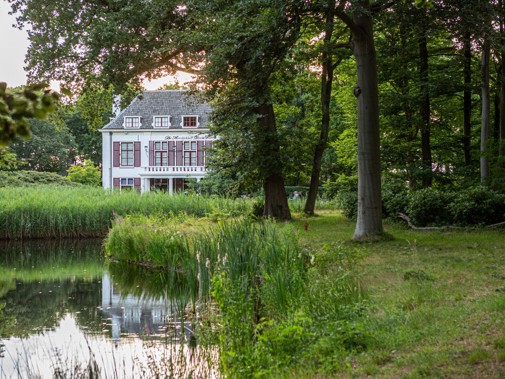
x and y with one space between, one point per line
13 47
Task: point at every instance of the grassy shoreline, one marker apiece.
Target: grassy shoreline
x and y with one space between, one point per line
432 305
420 304
437 300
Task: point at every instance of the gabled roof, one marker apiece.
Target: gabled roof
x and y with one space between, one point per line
175 103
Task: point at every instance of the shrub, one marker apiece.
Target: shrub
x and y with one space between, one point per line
478 205
429 207
257 208
31 178
395 198
348 203
87 173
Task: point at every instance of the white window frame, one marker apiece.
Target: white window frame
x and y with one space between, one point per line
190 127
189 155
161 117
134 120
162 153
127 183
127 151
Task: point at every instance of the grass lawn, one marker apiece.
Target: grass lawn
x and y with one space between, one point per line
437 299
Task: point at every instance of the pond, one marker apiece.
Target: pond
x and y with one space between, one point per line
65 312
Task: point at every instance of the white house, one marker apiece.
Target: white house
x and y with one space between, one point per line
158 142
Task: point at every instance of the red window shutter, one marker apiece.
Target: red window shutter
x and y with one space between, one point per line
116 182
199 152
151 153
178 153
136 154
171 153
116 154
136 183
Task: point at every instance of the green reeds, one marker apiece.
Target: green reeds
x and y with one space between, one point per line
256 255
249 270
51 211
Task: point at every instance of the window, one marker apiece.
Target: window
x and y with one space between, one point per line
127 184
161 121
161 153
127 154
131 122
189 121
189 153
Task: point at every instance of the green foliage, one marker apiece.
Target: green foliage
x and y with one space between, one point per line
87 173
472 206
50 148
477 205
20 104
395 197
8 160
348 202
32 178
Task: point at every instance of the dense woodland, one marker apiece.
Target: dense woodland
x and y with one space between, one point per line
356 99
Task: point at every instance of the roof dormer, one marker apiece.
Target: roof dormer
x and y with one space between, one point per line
162 121
132 122
190 121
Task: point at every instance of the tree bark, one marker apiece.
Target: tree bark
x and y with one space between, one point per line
326 85
485 117
276 200
501 141
467 100
501 150
369 215
424 112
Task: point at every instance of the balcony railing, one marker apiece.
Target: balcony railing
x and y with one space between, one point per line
174 169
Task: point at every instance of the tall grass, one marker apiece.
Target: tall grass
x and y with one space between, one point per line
63 212
270 310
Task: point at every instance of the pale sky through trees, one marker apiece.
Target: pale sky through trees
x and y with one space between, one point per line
13 46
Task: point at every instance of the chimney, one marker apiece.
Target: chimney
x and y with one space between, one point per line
116 105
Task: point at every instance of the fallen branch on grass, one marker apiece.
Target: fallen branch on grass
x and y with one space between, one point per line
447 227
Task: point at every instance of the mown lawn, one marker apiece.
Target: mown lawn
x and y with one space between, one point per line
437 299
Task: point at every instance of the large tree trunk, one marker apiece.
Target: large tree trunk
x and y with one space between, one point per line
424 112
326 84
276 200
485 117
501 150
467 100
501 137
369 217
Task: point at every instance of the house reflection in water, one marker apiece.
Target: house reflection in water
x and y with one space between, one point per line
143 316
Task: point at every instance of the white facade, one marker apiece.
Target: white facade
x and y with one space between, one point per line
147 156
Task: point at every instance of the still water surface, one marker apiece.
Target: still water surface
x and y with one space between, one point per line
64 311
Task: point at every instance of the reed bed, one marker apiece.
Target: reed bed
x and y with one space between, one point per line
256 284
51 211
246 252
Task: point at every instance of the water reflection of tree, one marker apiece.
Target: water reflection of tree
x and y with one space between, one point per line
39 306
38 303
48 253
